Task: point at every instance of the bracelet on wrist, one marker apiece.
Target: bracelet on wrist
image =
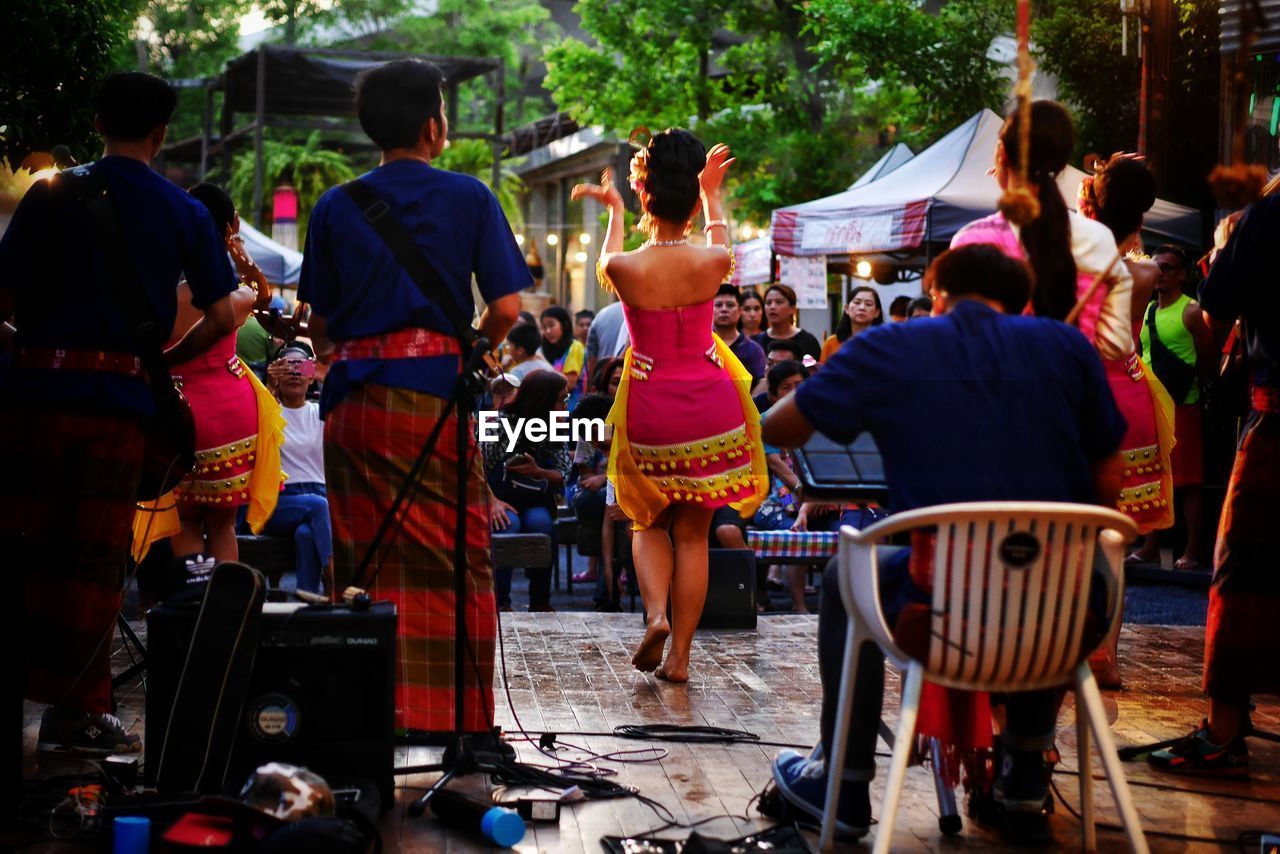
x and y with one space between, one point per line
714 223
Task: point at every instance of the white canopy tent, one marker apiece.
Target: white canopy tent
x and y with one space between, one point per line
928 198
890 160
280 264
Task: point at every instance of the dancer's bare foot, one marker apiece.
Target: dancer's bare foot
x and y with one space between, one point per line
648 654
673 671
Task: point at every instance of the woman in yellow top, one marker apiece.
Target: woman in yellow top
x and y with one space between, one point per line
861 312
565 352
686 434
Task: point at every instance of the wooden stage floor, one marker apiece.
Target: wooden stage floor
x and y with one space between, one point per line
570 672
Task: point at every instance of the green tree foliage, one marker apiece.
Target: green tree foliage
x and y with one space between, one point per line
52 54
308 168
474 157
512 30
802 91
1078 41
188 38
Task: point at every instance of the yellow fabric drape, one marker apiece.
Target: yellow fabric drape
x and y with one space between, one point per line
158 520
264 483
1165 441
638 496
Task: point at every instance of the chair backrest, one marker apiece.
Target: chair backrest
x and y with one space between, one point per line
1011 585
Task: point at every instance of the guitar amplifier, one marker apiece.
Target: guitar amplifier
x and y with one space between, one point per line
731 591
321 693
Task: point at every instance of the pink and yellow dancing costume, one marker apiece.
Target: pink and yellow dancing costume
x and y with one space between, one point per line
685 430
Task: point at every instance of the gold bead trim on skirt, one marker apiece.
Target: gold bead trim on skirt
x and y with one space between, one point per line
1142 461
728 445
239 450
1144 496
729 484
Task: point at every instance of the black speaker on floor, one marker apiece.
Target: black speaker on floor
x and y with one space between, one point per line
731 591
321 694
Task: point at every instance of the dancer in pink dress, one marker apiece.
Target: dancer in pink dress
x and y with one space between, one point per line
1068 254
239 428
686 434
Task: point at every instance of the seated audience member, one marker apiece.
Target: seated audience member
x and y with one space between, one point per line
591 462
898 308
608 376
302 511
780 381
526 483
920 307
785 350
607 337
565 352
727 322
523 343
582 324
501 392
778 512
1029 416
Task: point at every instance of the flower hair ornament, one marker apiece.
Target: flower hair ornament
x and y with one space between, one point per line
1086 199
639 177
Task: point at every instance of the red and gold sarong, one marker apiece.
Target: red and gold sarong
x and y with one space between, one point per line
1241 642
67 492
372 439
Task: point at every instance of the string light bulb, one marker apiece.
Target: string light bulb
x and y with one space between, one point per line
553 239
584 238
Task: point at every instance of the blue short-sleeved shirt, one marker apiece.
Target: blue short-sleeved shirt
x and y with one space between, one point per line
751 356
1241 284
51 262
351 279
971 406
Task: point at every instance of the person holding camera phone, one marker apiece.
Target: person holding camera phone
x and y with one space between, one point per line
526 482
302 511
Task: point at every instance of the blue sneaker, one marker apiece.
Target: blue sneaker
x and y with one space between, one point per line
802 781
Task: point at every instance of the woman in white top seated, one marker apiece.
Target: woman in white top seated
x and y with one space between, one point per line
303 510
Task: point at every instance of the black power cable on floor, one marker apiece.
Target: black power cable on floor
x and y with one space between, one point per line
686 734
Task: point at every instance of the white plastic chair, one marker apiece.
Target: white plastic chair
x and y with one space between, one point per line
1007 615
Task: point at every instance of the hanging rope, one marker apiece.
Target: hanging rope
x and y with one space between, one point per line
1018 203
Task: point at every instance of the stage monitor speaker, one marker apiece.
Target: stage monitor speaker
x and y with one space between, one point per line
731 591
321 694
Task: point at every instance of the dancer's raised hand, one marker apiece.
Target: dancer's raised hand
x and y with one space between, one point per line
719 159
605 192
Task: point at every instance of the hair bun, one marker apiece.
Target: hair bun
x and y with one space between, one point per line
675 159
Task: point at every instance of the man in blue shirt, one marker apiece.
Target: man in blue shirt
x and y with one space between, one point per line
727 321
397 360
75 395
1028 416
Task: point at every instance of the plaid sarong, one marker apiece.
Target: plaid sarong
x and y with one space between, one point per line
800 545
1241 642
67 481
371 441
